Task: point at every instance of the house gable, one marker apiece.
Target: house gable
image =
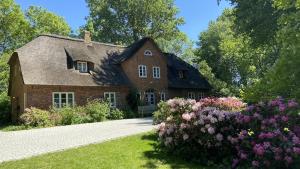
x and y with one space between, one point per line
131 67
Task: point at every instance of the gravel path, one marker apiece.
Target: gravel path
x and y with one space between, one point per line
22 144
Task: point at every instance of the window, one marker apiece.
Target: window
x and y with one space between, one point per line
111 98
200 95
180 74
82 67
148 53
156 72
61 99
191 95
142 71
163 96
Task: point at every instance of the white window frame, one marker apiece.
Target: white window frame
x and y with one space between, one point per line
114 104
156 72
67 99
163 96
191 95
148 53
142 71
200 95
83 65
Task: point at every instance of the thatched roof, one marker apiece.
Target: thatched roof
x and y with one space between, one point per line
44 62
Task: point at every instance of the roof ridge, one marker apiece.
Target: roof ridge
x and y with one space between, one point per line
80 40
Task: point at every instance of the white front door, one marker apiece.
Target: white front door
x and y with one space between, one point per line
150 98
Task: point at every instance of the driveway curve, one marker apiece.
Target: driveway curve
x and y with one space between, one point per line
23 144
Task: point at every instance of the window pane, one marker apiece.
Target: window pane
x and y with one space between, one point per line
63 99
70 99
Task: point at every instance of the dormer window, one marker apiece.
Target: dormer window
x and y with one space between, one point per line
82 67
181 74
148 53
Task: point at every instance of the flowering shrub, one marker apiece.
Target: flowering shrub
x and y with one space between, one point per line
198 129
264 135
267 138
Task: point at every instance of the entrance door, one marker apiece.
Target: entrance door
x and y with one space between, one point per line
150 98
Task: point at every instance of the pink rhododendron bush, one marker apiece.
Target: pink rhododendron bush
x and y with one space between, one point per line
224 131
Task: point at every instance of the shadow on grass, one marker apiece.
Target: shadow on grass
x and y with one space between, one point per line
157 155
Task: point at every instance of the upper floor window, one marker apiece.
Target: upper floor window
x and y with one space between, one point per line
142 71
82 67
191 95
148 53
200 95
181 74
111 98
62 99
156 72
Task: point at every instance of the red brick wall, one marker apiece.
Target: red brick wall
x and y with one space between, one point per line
41 96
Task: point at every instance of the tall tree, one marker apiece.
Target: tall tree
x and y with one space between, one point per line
42 21
14 28
231 58
125 21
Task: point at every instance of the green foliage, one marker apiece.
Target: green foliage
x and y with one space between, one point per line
14 28
133 99
35 118
126 21
4 108
97 110
162 112
116 114
42 21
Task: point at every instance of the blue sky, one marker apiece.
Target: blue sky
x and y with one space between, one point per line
197 13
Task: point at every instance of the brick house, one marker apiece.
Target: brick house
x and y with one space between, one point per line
55 71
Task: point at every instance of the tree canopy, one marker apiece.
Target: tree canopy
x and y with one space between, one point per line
125 21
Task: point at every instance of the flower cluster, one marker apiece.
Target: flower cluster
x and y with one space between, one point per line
273 142
199 124
264 135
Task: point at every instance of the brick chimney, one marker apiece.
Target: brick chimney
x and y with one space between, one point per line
87 37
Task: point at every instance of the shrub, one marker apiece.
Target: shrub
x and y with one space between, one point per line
116 114
267 137
98 110
129 113
195 132
35 118
162 112
67 115
4 108
133 99
264 135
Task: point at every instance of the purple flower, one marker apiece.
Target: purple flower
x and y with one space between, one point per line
243 156
282 107
259 149
296 140
234 163
292 103
296 150
255 163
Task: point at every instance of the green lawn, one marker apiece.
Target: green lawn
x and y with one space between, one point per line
127 153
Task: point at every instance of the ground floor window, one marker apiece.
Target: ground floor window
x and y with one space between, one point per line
111 98
200 95
191 95
163 96
62 99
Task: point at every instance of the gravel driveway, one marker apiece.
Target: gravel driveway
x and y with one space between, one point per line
22 144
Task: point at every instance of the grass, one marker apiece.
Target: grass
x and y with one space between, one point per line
14 127
132 152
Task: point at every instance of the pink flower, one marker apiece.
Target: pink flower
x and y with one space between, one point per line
186 116
211 130
288 159
185 137
219 137
292 103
